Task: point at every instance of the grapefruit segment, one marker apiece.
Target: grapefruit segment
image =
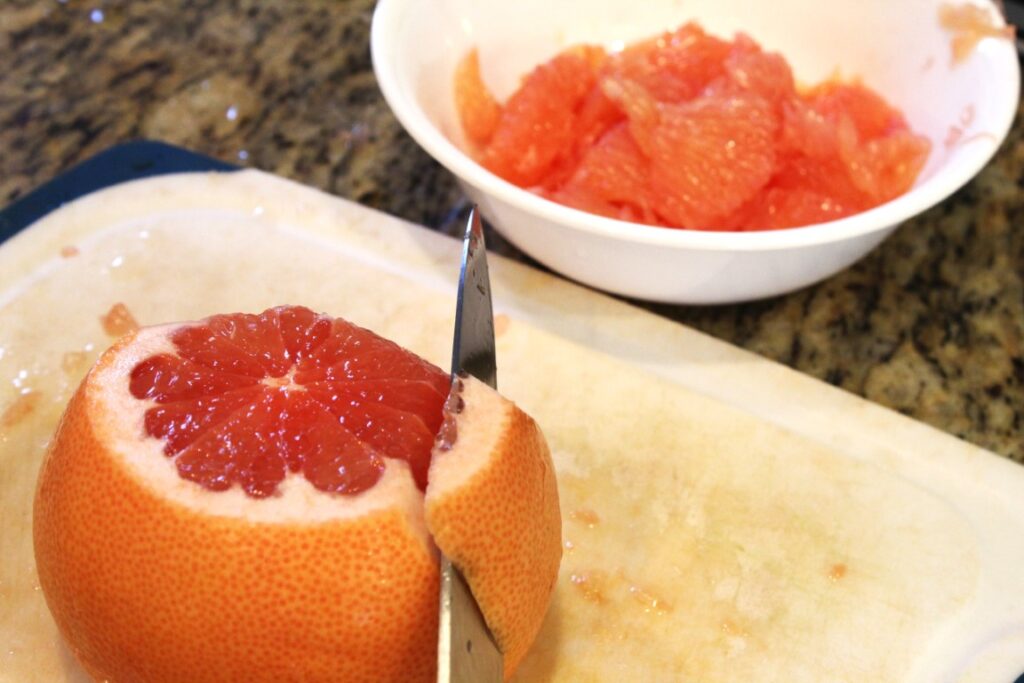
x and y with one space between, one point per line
333 456
394 434
806 131
352 353
536 125
611 180
242 450
478 110
674 66
781 207
749 69
301 329
257 336
871 115
707 157
379 364
215 350
344 343
596 116
182 422
804 191
886 167
414 396
196 523
167 377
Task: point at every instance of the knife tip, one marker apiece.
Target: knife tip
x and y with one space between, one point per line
474 227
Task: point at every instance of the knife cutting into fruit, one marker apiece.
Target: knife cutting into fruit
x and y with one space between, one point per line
466 651
283 496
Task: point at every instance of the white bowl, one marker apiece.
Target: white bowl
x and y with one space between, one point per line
896 47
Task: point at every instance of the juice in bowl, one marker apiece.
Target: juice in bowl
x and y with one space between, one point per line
908 62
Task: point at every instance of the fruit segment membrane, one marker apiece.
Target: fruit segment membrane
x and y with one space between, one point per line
246 399
686 130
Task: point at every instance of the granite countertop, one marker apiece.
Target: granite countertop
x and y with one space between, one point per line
931 323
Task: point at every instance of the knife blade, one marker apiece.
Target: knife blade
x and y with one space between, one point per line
466 650
473 347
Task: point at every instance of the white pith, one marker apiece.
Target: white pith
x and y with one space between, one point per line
487 411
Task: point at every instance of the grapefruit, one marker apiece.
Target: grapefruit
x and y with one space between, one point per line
749 69
536 124
872 117
707 156
611 179
674 66
478 110
723 138
262 498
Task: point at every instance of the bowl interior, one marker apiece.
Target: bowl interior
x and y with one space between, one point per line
898 48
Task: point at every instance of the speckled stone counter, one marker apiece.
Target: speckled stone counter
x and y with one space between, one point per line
931 323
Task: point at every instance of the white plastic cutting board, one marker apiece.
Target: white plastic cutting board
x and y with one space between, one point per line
725 518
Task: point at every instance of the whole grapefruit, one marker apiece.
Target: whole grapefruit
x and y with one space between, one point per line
261 498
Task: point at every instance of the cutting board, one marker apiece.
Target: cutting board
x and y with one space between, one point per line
725 518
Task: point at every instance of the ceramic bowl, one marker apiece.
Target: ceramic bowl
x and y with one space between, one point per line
898 48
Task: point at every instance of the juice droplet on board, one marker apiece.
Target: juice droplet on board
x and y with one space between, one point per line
590 585
24 405
586 517
118 321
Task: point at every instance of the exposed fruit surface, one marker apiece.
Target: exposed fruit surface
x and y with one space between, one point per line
246 398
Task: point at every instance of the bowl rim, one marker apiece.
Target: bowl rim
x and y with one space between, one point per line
1002 54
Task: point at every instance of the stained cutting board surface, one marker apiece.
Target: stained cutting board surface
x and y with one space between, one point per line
725 518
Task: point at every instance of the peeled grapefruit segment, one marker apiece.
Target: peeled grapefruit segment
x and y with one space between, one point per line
478 110
749 69
611 179
536 125
242 498
596 115
885 168
674 66
707 157
871 115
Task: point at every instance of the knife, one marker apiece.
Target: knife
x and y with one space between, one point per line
466 651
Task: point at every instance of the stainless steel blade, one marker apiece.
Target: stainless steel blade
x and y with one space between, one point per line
473 348
466 651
